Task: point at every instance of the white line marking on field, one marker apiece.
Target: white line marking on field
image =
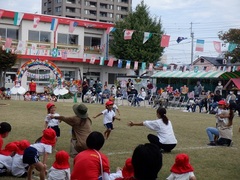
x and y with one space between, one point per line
187 148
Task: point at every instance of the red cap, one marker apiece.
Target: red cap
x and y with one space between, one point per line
49 105
61 160
127 170
182 164
22 145
108 103
9 149
221 102
49 137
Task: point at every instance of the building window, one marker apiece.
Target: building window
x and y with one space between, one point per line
86 11
112 77
58 1
202 60
93 4
9 33
92 13
110 6
110 15
103 14
69 39
45 12
68 75
103 6
58 9
45 4
92 41
39 36
71 1
70 9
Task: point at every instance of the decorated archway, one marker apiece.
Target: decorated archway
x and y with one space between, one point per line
36 62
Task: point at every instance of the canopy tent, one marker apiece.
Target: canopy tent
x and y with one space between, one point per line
232 84
199 74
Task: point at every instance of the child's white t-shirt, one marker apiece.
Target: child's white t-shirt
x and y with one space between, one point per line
59 174
52 122
185 176
18 167
42 148
108 116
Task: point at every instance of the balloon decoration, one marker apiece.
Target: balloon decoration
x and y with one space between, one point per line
57 72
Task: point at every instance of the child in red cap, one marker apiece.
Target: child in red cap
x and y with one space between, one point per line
44 148
51 122
61 167
108 117
182 169
19 169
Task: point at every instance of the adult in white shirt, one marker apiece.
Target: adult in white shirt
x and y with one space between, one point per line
140 97
165 138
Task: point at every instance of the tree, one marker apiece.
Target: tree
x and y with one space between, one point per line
232 36
7 60
134 49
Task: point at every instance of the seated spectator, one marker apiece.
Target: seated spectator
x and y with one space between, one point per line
42 97
125 172
105 94
53 98
140 97
119 92
132 94
34 97
91 163
182 169
146 161
162 100
27 96
214 103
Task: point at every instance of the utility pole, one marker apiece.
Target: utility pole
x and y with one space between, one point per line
192 36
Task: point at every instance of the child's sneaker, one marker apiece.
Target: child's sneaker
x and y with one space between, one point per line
211 144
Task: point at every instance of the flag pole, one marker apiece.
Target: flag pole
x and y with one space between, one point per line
192 36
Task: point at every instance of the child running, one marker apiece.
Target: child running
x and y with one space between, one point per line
115 107
108 118
52 122
32 153
61 167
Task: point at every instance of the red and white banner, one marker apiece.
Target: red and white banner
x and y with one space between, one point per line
36 21
217 46
165 41
128 34
92 60
110 62
8 43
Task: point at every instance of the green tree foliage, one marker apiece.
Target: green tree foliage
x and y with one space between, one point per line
232 36
134 49
7 60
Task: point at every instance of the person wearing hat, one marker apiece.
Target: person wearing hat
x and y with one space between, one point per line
108 117
182 169
81 127
91 163
52 122
19 169
223 130
125 172
44 148
61 167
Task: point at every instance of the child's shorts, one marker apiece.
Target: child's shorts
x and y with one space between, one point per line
56 129
30 156
109 126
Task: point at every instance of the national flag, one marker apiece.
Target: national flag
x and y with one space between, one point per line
238 68
196 68
54 24
128 64
72 26
231 47
208 68
217 46
54 52
110 29
150 67
171 67
92 60
199 45
128 34
8 43
135 65
36 21
110 62
34 48
84 57
147 35
64 54
179 39
1 13
229 69
119 63
143 65
21 45
165 41
224 68
101 61
18 18
234 68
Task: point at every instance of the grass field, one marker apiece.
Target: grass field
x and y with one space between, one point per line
210 163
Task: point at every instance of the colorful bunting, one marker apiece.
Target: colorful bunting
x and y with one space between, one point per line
8 43
101 61
128 64
84 57
72 26
165 41
36 21
143 65
200 45
119 63
110 29
217 46
18 18
54 24
128 34
150 68
110 62
231 47
92 60
179 39
54 52
147 35
21 46
135 65
64 54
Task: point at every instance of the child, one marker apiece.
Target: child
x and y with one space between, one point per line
182 169
5 128
60 168
108 118
115 107
125 172
32 153
19 169
52 122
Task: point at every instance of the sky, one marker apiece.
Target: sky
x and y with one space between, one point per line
208 17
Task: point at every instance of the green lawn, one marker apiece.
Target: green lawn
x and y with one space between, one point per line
220 163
